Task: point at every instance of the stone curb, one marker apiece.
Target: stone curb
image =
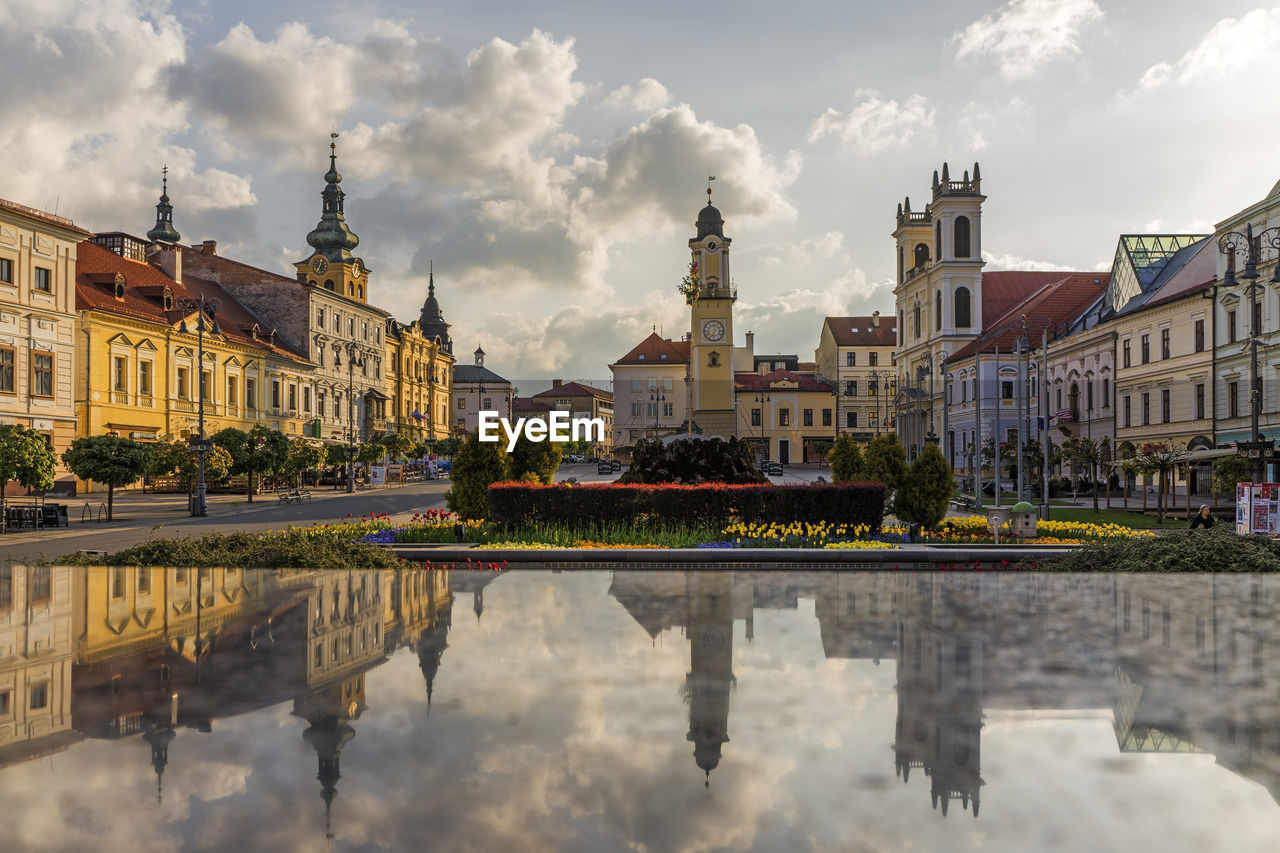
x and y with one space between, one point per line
791 556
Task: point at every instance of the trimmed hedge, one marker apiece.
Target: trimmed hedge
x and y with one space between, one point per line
713 504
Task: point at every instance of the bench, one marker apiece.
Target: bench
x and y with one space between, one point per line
296 496
962 502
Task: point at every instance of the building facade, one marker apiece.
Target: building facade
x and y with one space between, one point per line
582 401
419 382
37 325
711 305
856 355
476 388
787 416
651 388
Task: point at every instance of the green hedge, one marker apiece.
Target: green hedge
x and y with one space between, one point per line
1216 550
713 504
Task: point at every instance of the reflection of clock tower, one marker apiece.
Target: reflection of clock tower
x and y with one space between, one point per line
710 665
712 329
332 265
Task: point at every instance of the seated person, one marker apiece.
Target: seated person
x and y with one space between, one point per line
1203 519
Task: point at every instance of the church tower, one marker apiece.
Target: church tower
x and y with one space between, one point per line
331 265
711 300
164 232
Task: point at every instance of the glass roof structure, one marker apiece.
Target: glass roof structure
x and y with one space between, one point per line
1139 261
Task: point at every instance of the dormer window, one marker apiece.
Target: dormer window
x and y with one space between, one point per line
119 287
168 299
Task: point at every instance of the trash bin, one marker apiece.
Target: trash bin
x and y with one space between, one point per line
1022 521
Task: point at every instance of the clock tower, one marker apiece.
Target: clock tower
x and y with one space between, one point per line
711 302
331 265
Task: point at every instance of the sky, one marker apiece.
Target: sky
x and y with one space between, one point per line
550 159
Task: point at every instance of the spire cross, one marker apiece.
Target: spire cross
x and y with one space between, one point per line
164 178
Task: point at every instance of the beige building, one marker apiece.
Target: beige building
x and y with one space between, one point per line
476 387
37 325
856 355
582 401
651 390
784 413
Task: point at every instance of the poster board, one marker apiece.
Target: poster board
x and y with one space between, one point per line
378 475
1258 508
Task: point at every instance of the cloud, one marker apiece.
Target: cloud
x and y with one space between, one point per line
97 122
646 96
1010 261
1226 51
876 125
1027 34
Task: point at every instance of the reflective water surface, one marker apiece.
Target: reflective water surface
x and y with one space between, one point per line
151 709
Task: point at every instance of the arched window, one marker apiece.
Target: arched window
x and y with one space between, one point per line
937 310
915 321
902 327
962 316
1073 401
922 255
937 239
328 284
360 291
900 270
961 243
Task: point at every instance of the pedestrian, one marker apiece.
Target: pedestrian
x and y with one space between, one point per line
1202 519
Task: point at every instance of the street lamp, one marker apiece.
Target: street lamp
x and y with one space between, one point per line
926 369
205 307
354 358
874 388
1249 246
657 397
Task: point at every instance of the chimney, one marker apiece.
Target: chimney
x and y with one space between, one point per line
875 319
171 261
209 247
556 383
751 342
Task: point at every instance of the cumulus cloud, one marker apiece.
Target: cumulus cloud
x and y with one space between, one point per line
1027 34
1010 261
875 125
1226 51
89 82
646 96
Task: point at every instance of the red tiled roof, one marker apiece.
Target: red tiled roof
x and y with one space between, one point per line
862 332
762 382
653 348
97 267
574 389
1005 289
1063 300
528 404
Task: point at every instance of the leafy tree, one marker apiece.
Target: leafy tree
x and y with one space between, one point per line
256 452
926 490
846 460
1230 470
448 447
1088 455
1159 458
179 459
303 457
25 458
397 446
108 459
822 449
476 466
534 461
885 461
368 454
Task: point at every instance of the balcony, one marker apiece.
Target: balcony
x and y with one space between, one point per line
120 398
146 402
182 405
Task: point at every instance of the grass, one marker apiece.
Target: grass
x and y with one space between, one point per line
1116 516
293 549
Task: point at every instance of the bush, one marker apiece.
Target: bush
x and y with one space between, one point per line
926 491
476 466
712 504
846 460
885 461
288 549
1218 549
689 461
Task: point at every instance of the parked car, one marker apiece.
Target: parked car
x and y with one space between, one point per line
772 468
615 464
604 468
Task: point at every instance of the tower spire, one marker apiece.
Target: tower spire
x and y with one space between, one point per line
164 232
331 237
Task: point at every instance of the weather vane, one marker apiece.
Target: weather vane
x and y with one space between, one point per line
710 178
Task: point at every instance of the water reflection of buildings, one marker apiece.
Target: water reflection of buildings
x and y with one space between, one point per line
1185 663
151 652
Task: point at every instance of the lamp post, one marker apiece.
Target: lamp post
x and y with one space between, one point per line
657 397
874 388
353 357
926 369
205 306
1023 326
1249 245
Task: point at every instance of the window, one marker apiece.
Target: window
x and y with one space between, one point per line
144 378
1146 349
1199 335
306 399
206 383
1088 396
250 394
117 583
961 249
40 580
851 420
364 330
1200 402
826 417
337 321
651 409
808 417
635 409
44 280
1256 329
293 398
351 326
1059 399
337 404
1128 411
851 359
120 373
668 410
902 325
915 321
319 402
7 360
462 403
921 256
1164 343
1125 357
1233 399
784 417
4 703
275 394
873 358
1231 327
182 383
144 582
755 417
963 314
39 695
1164 406
488 403
6 270
937 311
233 398
41 374
1006 389
713 360
1106 392
320 317
1146 408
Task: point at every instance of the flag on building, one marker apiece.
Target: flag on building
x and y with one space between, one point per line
415 413
1064 415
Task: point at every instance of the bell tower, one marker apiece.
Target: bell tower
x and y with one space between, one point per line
711 295
331 265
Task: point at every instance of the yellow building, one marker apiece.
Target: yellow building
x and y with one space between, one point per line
420 372
37 324
784 413
856 355
711 335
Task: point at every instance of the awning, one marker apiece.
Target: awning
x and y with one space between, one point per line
1209 453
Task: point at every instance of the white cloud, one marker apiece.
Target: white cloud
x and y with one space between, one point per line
1195 226
646 96
1027 34
1010 261
876 125
1226 51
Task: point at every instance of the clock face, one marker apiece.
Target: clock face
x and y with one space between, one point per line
319 264
713 331
713 246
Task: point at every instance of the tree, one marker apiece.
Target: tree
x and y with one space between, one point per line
476 466
108 459
368 454
535 461
822 449
303 457
1088 454
179 459
448 447
1230 470
846 460
926 489
397 446
885 461
1158 458
25 458
257 451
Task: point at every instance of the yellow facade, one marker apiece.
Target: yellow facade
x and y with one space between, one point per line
419 379
711 332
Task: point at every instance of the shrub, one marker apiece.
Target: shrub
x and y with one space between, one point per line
846 460
477 465
1219 549
885 461
688 461
294 549
926 490
712 504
